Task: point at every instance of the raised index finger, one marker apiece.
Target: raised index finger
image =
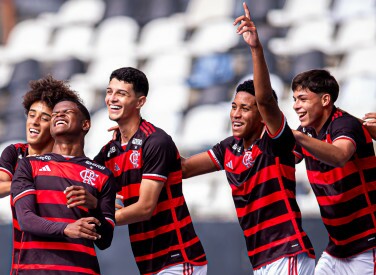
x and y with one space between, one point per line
246 10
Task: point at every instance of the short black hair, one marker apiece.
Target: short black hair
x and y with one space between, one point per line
80 106
132 76
249 87
317 81
48 90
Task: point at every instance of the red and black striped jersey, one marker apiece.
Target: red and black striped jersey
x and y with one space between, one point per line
42 180
8 163
262 179
168 238
10 157
346 195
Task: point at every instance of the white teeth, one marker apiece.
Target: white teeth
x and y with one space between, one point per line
114 107
237 124
60 122
32 130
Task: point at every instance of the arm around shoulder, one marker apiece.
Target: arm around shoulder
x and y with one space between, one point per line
198 164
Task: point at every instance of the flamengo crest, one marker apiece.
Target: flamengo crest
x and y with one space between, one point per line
88 176
134 158
247 159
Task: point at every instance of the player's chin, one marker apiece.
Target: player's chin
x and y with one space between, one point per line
237 133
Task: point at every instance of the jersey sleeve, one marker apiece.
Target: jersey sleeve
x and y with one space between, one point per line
105 213
217 154
100 157
23 194
22 183
8 160
280 143
159 157
348 128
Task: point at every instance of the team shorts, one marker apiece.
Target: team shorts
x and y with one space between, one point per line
299 264
363 263
184 269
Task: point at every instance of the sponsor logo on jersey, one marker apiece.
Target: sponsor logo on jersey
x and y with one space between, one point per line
116 168
95 165
44 157
137 141
88 176
229 164
112 150
235 147
134 158
45 168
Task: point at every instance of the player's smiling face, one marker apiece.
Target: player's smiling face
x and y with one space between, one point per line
38 124
309 108
245 117
66 119
122 102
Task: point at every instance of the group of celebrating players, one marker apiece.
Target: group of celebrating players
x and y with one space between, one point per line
63 203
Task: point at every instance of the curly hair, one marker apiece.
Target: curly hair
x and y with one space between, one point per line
48 90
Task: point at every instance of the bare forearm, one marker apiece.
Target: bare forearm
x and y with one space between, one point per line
4 188
325 152
132 214
261 77
197 165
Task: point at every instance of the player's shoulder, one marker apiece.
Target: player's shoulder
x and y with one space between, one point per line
342 118
153 134
16 147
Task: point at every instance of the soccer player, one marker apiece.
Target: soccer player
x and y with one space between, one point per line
260 168
341 168
57 239
146 164
38 103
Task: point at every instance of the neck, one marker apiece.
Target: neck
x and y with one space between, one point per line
255 135
325 116
69 148
129 128
34 150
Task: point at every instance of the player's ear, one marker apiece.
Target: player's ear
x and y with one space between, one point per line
86 124
141 101
326 99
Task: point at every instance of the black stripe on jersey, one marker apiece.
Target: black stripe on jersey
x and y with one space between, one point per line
357 226
158 243
294 205
370 174
188 233
266 213
337 188
356 247
182 212
59 257
61 211
160 219
367 152
258 191
158 263
344 209
176 190
372 196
